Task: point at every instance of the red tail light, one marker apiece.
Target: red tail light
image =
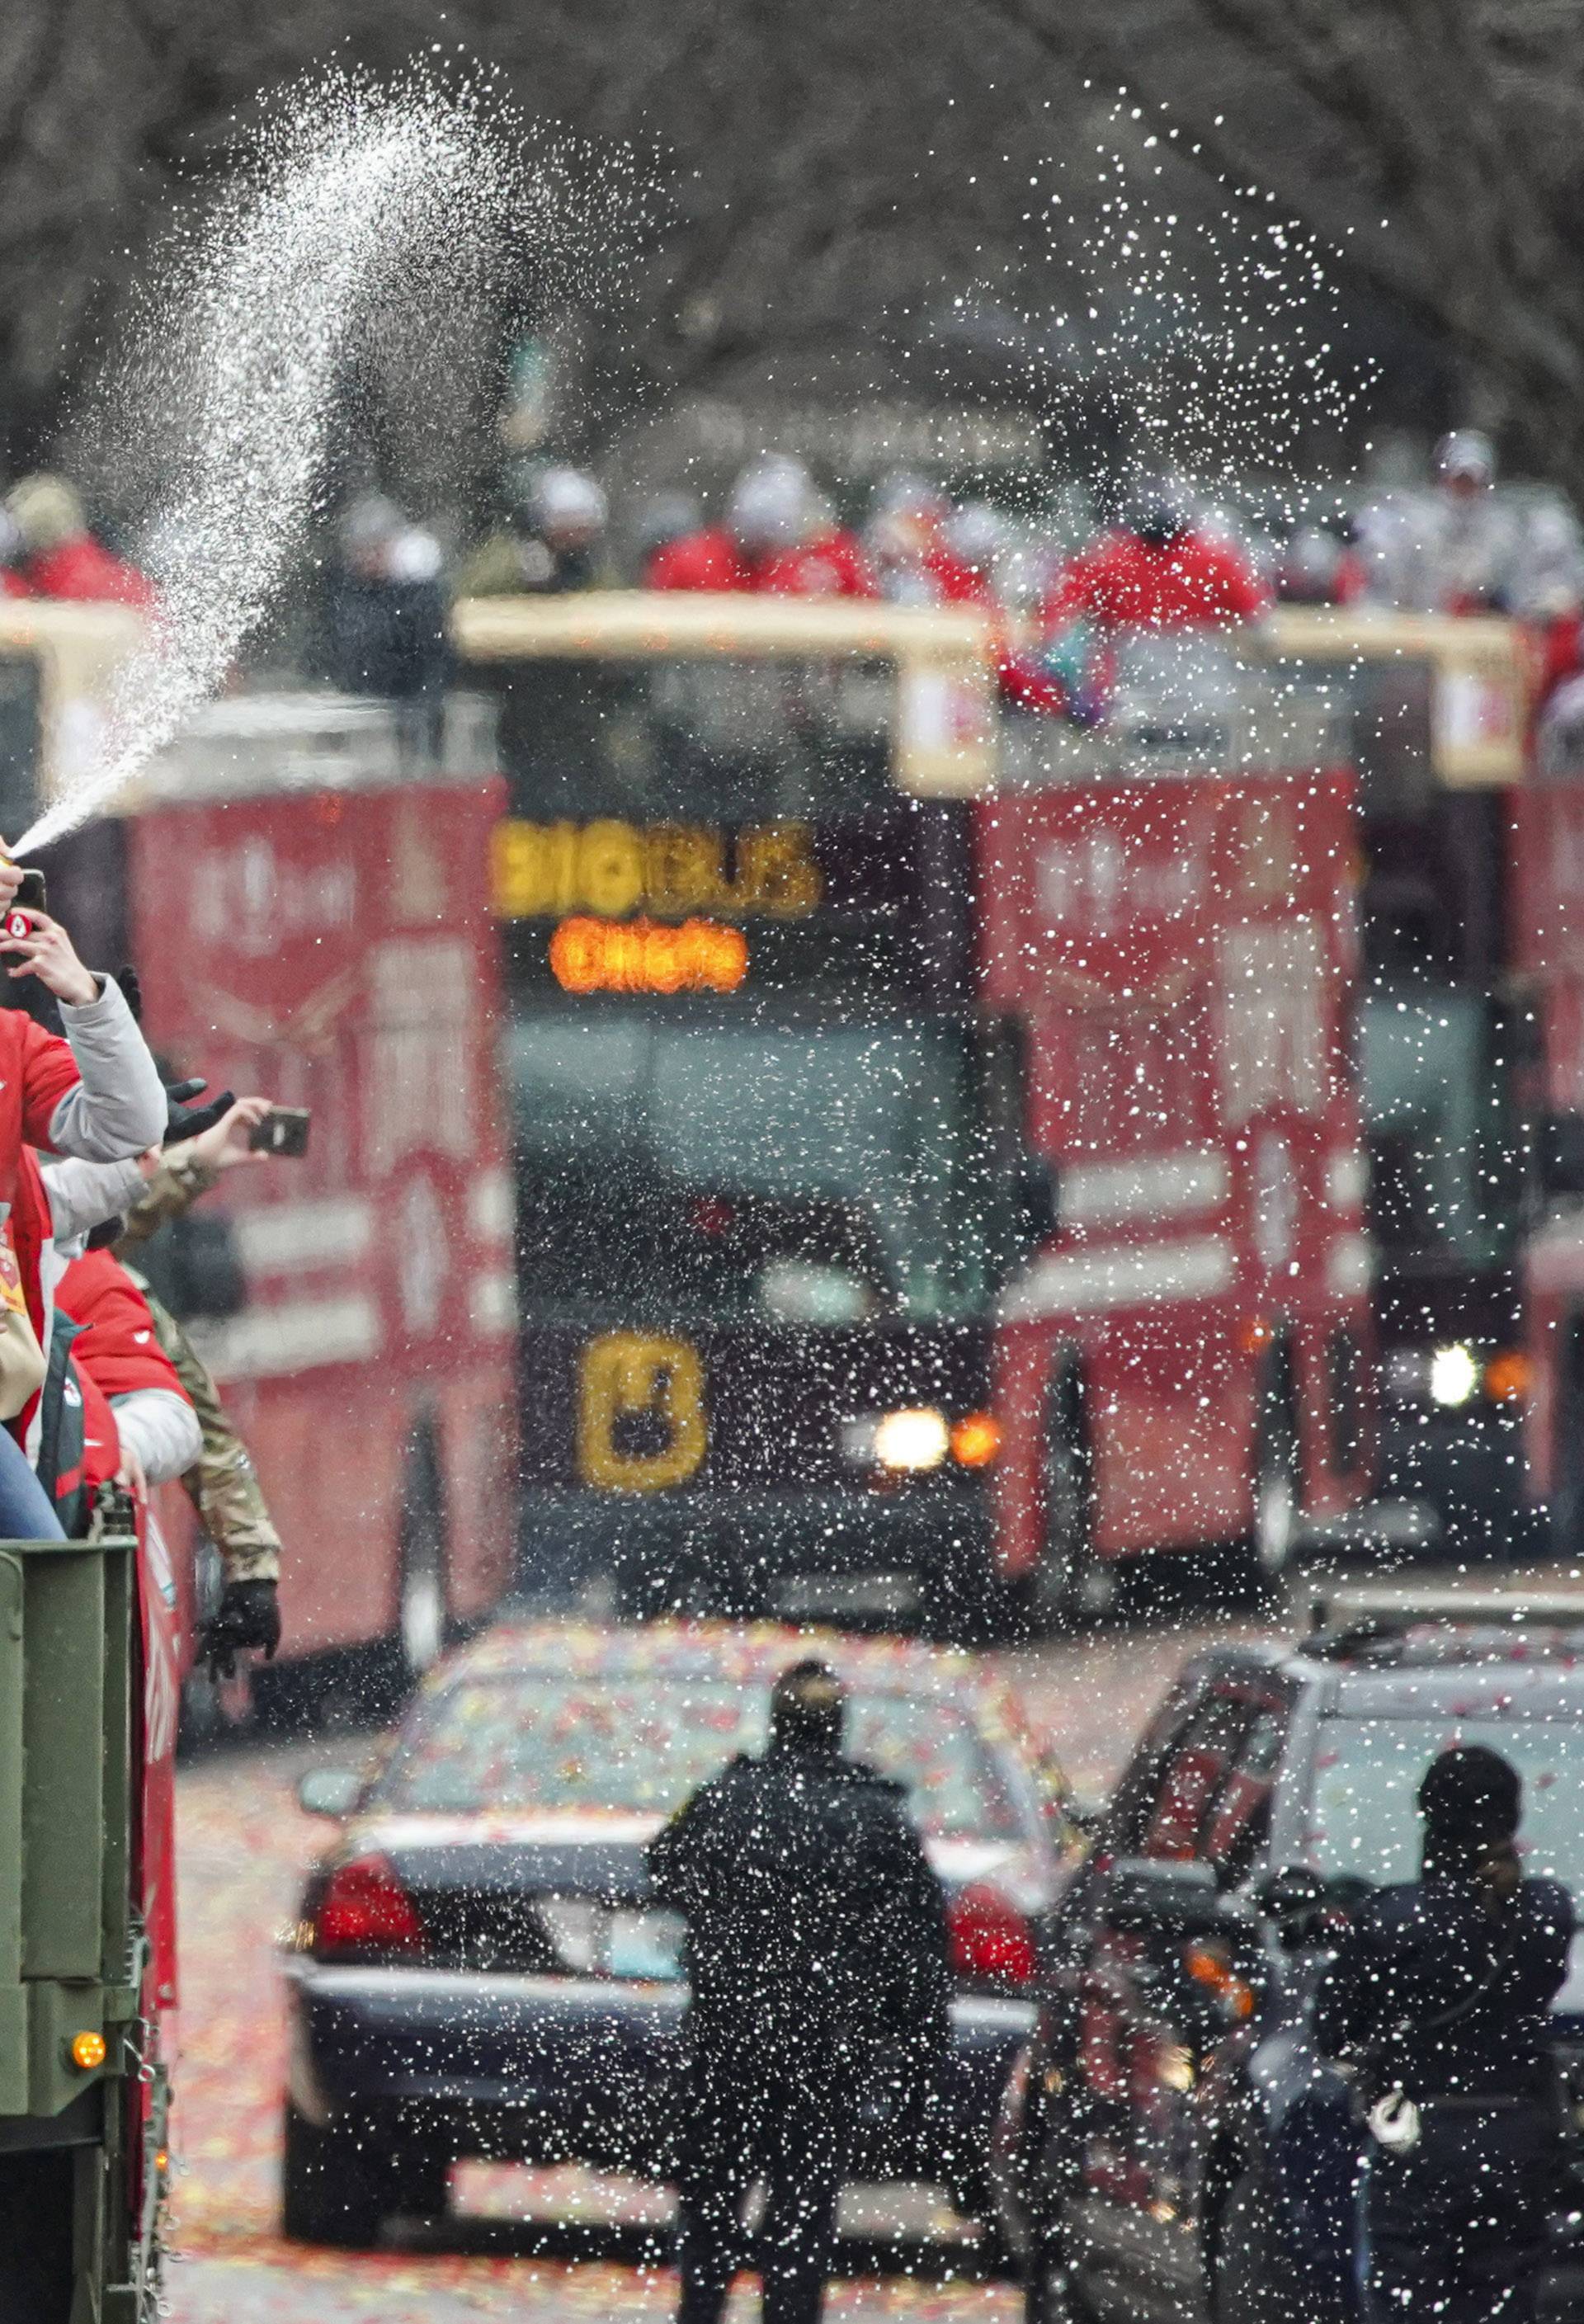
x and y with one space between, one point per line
992 1942
365 1912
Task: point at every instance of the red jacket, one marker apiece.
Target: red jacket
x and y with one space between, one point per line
1125 583
118 1348
830 564
710 560
85 567
959 584
36 1070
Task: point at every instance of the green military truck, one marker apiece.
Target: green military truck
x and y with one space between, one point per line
88 1723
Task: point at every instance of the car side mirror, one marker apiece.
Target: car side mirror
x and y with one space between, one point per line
1176 1899
1084 1811
1306 1909
329 1791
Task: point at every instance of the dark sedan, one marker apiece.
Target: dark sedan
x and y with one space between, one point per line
479 1969
1181 2151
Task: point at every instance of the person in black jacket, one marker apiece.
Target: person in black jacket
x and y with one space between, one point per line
1439 1997
816 1952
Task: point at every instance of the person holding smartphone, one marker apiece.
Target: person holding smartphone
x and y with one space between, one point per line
95 1093
122 1208
1438 2003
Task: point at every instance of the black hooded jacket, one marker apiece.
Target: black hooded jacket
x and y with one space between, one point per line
1436 1949
812 1910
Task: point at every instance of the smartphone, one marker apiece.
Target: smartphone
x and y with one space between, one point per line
29 898
283 1131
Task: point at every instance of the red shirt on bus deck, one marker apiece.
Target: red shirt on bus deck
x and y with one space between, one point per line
959 583
119 1346
84 568
710 560
830 564
1124 583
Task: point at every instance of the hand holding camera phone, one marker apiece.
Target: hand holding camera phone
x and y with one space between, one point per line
282 1132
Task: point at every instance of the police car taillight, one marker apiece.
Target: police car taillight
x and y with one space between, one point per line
992 1943
366 1913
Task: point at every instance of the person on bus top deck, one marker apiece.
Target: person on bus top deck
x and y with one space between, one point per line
58 556
910 553
1442 1990
777 540
96 1093
1156 573
221 1482
553 543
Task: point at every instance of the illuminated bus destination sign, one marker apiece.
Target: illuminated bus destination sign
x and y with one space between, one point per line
590 955
612 869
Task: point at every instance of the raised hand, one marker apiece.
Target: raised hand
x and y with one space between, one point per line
46 952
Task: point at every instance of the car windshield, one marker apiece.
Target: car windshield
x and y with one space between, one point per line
1363 1819
529 1742
813 1176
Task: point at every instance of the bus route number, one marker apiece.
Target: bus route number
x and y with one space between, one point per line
640 1413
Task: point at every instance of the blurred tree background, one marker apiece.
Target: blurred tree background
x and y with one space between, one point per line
861 197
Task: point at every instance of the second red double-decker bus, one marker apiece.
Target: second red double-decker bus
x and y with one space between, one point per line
1186 1361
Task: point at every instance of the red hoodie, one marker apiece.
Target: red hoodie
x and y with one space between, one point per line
84 568
830 564
1124 583
118 1348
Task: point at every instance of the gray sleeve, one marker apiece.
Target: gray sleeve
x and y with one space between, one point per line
84 1194
161 1427
118 1107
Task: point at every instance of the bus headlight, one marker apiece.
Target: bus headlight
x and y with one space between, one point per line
1454 1375
912 1440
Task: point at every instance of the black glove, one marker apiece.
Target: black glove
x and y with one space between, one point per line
248 1615
188 1121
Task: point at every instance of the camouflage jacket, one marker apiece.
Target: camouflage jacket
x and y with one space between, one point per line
222 1484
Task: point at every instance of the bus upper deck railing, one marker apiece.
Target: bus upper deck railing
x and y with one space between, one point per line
1451 696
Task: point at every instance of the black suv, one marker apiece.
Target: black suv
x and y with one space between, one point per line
1183 2152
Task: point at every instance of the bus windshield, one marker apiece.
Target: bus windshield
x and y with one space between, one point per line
1445 1175
816 1173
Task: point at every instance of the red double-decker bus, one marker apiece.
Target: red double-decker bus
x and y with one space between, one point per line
793 1327
1186 1361
686 1110
308 917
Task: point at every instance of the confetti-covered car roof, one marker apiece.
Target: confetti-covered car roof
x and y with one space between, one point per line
750 1653
755 1652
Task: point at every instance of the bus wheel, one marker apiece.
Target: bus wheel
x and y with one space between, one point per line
1277 1499
1068 1582
422 1616
1567 1500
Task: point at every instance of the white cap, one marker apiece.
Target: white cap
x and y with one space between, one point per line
1466 452
565 499
772 504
